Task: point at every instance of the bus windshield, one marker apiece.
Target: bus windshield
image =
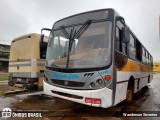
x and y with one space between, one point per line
91 49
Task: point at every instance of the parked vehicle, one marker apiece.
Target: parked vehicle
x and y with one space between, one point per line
27 61
93 58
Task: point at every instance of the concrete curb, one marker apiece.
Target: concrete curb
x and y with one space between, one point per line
5 81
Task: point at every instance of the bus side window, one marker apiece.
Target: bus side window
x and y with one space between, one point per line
138 51
117 39
151 60
132 49
147 58
143 55
120 47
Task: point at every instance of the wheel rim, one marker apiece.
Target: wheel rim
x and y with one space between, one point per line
129 95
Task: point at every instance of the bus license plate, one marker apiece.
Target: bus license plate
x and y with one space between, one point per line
93 100
18 79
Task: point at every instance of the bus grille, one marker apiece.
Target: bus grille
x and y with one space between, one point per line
68 83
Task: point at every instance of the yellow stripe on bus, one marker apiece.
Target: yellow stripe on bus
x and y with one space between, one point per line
133 66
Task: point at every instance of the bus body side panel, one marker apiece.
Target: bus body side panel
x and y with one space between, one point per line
141 74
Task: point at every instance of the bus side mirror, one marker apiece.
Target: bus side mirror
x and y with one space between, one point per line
42 35
126 35
43 44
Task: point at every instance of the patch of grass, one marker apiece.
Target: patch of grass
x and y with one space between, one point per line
15 89
4 78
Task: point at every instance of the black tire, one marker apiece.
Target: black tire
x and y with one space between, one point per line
144 89
32 87
10 83
130 90
129 96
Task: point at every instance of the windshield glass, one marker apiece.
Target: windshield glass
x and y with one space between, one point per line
91 49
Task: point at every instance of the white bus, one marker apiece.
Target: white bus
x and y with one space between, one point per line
93 58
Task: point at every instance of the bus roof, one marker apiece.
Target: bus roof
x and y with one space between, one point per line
111 15
24 36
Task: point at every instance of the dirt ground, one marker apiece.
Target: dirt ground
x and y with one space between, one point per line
5 88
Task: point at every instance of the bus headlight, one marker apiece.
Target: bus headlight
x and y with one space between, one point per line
99 81
92 84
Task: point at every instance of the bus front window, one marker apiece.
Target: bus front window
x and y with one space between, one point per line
91 50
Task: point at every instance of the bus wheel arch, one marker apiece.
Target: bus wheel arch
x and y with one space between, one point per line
130 89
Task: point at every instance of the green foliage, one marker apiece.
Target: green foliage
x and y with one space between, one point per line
4 78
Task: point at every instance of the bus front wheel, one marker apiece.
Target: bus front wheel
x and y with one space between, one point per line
10 83
130 90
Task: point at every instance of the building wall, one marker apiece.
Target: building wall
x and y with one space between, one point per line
4 57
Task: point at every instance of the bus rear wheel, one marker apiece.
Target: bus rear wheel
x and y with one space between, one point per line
129 96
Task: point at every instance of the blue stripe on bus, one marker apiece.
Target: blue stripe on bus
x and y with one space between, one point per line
65 76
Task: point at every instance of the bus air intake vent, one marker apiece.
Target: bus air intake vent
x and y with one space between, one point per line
67 95
68 83
88 74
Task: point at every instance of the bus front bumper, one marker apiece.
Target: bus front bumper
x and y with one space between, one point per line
98 98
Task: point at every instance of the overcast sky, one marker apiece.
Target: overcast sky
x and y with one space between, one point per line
19 17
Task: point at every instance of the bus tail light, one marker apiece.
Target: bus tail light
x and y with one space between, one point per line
107 77
93 100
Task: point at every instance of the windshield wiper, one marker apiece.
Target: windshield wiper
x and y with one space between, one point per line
82 29
78 33
74 35
64 31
